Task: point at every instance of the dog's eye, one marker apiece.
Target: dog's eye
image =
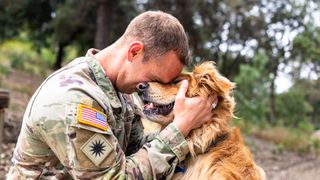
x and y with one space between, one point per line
175 81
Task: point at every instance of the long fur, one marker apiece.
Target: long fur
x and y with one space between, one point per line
217 149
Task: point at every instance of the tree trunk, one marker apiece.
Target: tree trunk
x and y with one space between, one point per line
59 57
103 18
272 114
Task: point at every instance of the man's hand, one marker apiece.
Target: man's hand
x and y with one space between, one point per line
191 113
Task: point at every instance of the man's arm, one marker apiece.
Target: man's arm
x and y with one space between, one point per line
89 152
137 136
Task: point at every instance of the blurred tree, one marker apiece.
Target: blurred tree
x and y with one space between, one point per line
311 90
251 90
109 14
25 16
306 68
32 17
306 52
66 22
72 23
293 109
86 24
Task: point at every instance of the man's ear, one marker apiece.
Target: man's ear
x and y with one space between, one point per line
135 50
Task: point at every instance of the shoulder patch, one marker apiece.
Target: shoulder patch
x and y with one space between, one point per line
92 117
97 148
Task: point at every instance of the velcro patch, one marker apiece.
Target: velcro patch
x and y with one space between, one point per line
90 116
97 148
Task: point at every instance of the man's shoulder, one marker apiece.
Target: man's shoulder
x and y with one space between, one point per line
66 87
74 78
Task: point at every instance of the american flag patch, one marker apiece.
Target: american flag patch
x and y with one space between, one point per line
90 116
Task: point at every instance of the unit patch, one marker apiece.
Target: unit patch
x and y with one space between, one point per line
97 148
93 117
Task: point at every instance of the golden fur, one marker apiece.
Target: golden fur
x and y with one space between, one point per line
217 149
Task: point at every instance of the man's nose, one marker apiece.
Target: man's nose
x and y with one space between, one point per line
141 87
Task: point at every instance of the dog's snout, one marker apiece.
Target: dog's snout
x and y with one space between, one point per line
142 86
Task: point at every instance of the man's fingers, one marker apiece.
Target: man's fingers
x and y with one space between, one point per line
183 89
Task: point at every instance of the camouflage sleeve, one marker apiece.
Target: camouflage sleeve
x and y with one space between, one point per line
163 153
137 136
89 152
33 159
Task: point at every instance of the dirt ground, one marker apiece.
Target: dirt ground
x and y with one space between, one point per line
285 165
278 166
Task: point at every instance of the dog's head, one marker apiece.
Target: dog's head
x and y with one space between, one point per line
204 80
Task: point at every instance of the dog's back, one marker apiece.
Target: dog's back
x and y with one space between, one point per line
227 159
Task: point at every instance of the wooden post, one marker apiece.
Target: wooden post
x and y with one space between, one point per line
4 103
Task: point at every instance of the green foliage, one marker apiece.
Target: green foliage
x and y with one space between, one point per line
20 55
27 15
251 90
70 20
4 70
71 53
306 46
229 31
292 107
311 89
247 127
48 56
306 126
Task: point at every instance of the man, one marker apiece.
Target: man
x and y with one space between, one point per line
79 123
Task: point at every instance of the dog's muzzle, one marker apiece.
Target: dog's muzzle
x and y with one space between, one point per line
142 87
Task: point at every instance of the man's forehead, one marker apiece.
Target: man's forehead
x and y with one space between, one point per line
170 74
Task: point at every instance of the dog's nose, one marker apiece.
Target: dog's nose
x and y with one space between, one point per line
142 86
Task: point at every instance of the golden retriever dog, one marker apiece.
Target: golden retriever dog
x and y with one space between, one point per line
217 150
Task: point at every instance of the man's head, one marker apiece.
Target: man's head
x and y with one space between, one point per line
159 32
156 50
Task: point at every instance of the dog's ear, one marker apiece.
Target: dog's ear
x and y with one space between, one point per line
224 84
210 77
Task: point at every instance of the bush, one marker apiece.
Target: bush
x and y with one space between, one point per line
292 108
4 70
252 102
17 60
306 127
21 55
47 56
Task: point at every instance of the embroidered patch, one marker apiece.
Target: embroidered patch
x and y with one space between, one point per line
97 148
92 117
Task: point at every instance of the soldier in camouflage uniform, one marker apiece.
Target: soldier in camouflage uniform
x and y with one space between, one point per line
80 125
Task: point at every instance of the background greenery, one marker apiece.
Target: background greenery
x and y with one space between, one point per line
252 42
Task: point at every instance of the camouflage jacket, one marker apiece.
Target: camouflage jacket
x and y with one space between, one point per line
78 126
